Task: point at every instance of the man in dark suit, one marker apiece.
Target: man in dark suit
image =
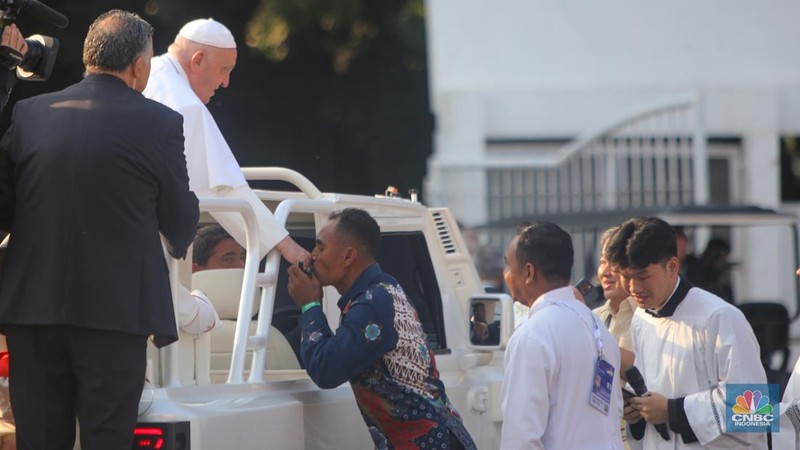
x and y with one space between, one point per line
89 176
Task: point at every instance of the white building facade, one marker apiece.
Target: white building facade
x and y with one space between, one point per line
516 83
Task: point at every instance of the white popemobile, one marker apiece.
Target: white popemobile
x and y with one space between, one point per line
203 393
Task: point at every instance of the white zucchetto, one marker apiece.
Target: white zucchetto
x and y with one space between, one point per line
208 32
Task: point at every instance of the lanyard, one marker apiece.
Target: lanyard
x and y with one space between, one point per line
598 338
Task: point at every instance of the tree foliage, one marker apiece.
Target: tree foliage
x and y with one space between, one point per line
336 89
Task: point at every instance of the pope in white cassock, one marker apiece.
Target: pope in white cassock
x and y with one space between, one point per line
197 63
689 345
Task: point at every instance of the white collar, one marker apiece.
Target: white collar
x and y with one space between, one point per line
660 307
556 295
177 66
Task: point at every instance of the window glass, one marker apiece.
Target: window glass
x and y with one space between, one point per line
405 257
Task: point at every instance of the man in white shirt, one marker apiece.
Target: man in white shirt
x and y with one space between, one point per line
689 344
561 389
197 63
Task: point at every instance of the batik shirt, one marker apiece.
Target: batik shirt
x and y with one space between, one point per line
381 349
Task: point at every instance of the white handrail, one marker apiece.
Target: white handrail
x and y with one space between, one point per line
268 291
251 278
283 174
240 206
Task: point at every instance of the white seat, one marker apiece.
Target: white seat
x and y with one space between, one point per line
279 353
223 288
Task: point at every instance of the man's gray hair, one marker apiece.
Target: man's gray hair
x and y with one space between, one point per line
115 39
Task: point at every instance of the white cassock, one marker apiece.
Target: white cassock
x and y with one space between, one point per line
699 345
549 373
788 437
213 170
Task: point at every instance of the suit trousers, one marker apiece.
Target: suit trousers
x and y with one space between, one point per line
59 373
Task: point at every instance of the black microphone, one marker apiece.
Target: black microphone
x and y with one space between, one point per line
43 12
637 383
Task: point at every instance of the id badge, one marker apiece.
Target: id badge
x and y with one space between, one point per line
601 387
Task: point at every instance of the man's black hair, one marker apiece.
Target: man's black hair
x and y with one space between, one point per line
361 227
642 241
205 241
548 248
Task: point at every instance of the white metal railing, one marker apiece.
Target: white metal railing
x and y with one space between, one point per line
258 342
283 174
252 279
652 155
172 356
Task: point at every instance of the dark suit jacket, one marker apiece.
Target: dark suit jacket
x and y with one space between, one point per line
88 177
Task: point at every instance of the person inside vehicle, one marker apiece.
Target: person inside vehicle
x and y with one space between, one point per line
213 248
481 331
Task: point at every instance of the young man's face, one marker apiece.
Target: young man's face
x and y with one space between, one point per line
609 278
651 286
227 254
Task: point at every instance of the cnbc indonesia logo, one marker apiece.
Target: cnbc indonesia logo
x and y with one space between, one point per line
752 409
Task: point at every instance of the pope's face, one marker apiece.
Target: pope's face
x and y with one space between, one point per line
212 71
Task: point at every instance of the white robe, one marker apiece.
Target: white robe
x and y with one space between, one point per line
549 371
213 170
694 353
788 437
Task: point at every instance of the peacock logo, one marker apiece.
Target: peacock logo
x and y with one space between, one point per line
752 402
751 408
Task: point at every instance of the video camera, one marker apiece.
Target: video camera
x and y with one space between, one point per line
37 64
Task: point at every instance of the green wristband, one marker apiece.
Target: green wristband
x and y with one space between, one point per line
308 306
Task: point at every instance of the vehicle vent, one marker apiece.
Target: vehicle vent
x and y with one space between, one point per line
442 228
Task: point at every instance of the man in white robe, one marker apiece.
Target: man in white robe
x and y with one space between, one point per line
788 437
551 360
689 345
197 63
